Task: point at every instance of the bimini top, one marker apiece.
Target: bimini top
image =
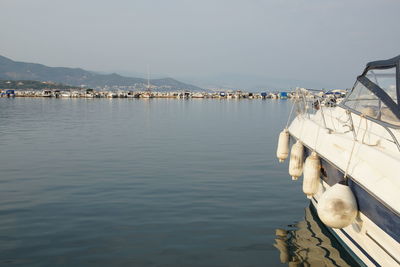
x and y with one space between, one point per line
376 91
383 64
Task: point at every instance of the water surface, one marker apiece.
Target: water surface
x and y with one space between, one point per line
158 182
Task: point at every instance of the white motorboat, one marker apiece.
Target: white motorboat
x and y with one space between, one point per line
352 155
198 95
47 93
65 94
147 94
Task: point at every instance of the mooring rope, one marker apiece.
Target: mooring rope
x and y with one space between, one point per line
355 137
290 114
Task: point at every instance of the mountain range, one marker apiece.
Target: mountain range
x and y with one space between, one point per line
14 70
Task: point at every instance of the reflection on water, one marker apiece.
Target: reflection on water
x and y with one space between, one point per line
309 243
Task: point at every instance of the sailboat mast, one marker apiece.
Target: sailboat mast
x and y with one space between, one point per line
148 78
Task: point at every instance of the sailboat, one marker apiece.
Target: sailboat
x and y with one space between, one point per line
148 93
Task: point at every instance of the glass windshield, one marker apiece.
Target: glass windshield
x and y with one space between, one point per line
385 79
364 101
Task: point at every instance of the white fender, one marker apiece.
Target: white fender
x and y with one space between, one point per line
296 160
312 170
282 150
337 207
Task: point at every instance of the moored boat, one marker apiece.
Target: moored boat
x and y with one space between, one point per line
47 93
353 152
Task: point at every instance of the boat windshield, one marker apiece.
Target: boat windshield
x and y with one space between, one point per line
385 79
369 102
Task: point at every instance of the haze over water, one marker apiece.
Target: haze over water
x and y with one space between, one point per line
159 182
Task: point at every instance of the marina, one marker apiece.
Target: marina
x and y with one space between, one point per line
199 133
90 93
331 132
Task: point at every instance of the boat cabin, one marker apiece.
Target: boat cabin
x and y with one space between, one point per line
47 93
376 92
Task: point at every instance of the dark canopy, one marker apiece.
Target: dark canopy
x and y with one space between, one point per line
383 64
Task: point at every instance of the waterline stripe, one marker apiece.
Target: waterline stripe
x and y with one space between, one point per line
360 248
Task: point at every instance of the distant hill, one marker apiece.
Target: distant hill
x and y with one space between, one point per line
35 85
13 70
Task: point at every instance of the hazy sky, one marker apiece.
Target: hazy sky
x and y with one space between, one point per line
325 42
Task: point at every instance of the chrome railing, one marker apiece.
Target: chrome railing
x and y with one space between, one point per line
309 104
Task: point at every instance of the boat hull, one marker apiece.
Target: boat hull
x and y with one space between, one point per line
372 239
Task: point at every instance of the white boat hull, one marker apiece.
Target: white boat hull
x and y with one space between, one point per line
374 237
366 241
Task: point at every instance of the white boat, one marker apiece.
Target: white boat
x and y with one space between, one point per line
131 94
112 95
354 164
198 95
65 94
47 93
147 94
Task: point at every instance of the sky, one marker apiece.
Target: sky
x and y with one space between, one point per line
242 43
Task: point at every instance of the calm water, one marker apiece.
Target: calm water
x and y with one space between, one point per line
121 182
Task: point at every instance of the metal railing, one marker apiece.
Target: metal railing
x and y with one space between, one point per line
308 104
